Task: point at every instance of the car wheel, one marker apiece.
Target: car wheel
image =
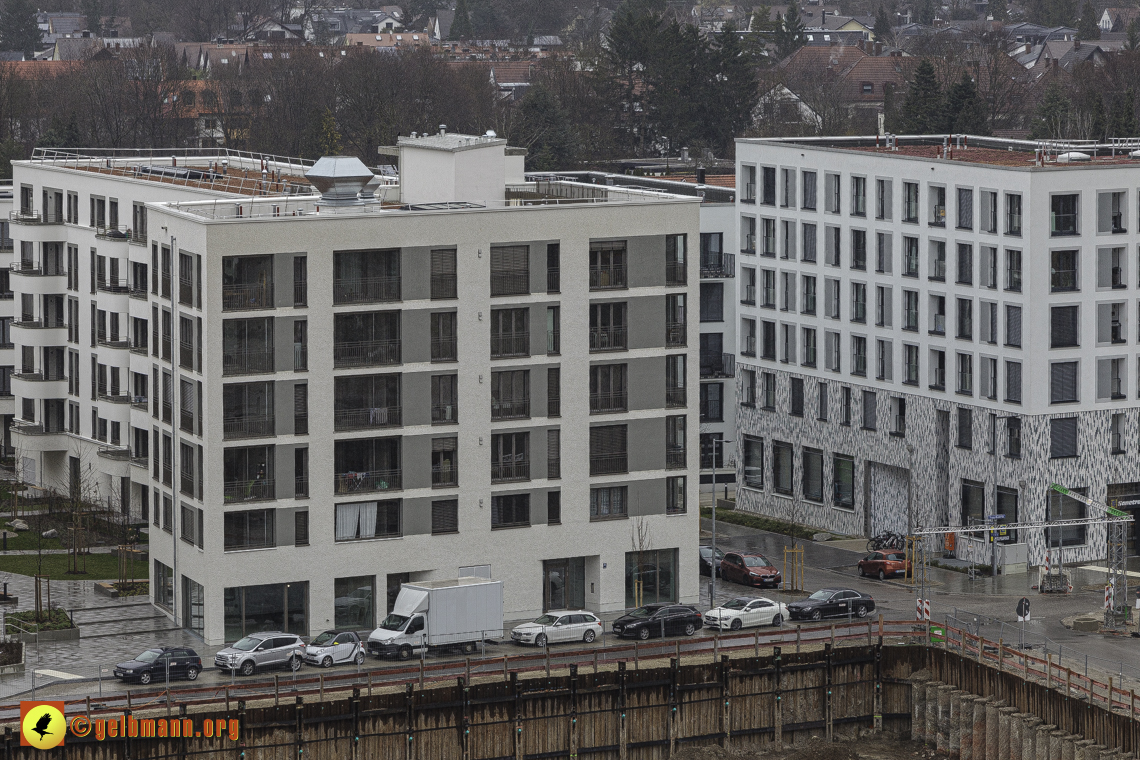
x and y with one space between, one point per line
691 628
643 633
778 620
861 611
817 615
359 658
247 668
882 575
294 663
404 652
468 647
540 640
144 678
862 572
326 662
736 625
589 636
192 674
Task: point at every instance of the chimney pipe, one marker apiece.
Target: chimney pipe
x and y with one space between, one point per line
701 176
443 129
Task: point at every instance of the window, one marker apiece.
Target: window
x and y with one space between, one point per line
444 462
553 507
965 264
768 185
748 286
831 350
973 503
712 402
782 467
445 398
676 272
809 191
510 394
362 339
1012 214
859 194
1013 382
988 220
1110 272
608 450
858 302
883 253
882 199
768 391
748 387
364 520
366 276
1013 326
937 206
796 390
884 360
676 331
844 481
444 337
788 291
858 355
965 318
989 378
1110 379
787 187
937 370
911 361
606 503
1013 270
965 428
301 527
511 511
753 462
1063 272
809 347
510 332
910 257
444 280
768 237
675 380
712 300
675 495
1063 327
510 270
553 454
965 208
510 457
858 249
607 265
831 298
870 413
809 243
1062 507
1063 215
832 244
937 260
250 529
966 374
553 270
1116 433
845 405
675 457
608 326
988 267
747 234
1013 437
1064 382
809 290
832 191
821 398
1063 437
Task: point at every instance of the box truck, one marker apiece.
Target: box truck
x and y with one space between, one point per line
457 614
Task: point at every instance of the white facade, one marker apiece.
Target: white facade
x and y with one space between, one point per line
992 307
310 461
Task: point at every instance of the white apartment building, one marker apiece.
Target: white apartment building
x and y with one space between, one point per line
935 340
313 397
717 306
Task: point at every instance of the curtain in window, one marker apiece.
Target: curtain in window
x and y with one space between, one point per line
348 521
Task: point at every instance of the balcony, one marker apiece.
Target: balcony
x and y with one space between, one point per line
607 277
142 403
718 265
608 402
367 418
116 343
444 477
513 409
553 280
51 375
553 468
675 457
138 292
505 472
107 232
718 365
608 464
366 353
142 349
34 217
112 286
116 398
676 334
116 453
444 349
247 362
366 290
249 490
607 338
367 482
510 344
243 297
300 486
748 347
444 286
675 398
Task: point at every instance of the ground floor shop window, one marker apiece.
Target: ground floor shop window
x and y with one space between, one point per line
650 576
163 585
273 607
193 606
353 605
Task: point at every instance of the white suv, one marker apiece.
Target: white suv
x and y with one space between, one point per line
260 651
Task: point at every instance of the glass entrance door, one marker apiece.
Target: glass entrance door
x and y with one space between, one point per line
564 584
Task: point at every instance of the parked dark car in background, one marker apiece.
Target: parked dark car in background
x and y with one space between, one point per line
883 564
707 560
749 569
655 620
832 602
151 665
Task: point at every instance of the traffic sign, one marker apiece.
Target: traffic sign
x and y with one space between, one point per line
1023 610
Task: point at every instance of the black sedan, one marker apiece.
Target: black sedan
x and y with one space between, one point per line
152 665
707 560
832 602
658 620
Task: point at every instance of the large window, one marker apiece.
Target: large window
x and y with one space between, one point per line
608 391
783 458
753 462
366 276
712 302
813 475
510 457
1063 437
1064 327
607 265
607 326
368 338
247 282
352 604
371 519
675 502
1064 382
650 576
248 474
367 465
163 585
973 503
1063 271
510 511
608 450
510 394
608 502
247 346
843 481
510 270
510 332
1062 507
273 607
366 401
250 529
1063 214
247 410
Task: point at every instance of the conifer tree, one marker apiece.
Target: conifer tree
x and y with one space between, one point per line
883 31
461 24
999 10
1087 27
922 109
18 27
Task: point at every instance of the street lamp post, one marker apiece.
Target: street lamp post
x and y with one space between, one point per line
713 569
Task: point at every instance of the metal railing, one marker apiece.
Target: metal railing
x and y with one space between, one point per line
111 232
607 278
510 283
367 482
300 486
608 464
444 349
246 297
444 476
366 290
444 286
366 417
510 344
35 217
748 295
718 365
675 457
110 286
676 273
249 490
444 413
718 265
676 334
607 338
503 472
609 402
366 353
512 409
675 397
248 362
553 280
248 426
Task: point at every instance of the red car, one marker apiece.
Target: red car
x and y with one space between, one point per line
883 564
749 569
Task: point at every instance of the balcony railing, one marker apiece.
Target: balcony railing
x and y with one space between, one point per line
676 273
609 402
300 486
444 349
119 454
607 338
553 280
366 353
136 237
1064 280
41 376
34 217
1117 384
607 278
136 291
510 344
674 457
442 477
367 482
140 402
718 365
718 265
300 357
116 398
107 232
608 464
502 472
444 413
112 286
186 355
675 397
510 410
553 468
676 334
300 293
367 417
247 362
239 297
248 426
444 286
510 283
139 348
366 290
186 420
249 490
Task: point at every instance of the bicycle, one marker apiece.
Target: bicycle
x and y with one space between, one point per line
886 540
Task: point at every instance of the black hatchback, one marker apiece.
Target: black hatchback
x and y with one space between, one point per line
658 620
152 665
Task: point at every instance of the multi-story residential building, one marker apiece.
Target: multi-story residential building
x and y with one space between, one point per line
717 306
7 351
311 398
914 301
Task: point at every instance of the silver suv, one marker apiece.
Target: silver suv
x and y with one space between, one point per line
262 650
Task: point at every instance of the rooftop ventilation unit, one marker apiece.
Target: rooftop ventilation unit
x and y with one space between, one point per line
340 179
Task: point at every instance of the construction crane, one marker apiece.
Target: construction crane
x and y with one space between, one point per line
1115 521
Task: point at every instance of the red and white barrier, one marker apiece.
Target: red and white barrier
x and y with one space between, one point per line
922 609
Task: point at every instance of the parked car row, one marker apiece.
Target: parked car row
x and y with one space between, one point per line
739 567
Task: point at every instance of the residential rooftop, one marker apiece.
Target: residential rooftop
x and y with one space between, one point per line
975 149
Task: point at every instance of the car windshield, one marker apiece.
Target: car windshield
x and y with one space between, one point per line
706 552
393 622
547 620
757 561
642 612
735 604
247 644
822 595
324 638
149 655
